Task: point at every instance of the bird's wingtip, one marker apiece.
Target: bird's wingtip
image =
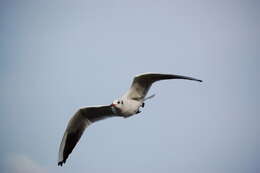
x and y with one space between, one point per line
61 163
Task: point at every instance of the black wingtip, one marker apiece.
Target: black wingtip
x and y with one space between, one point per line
61 163
197 80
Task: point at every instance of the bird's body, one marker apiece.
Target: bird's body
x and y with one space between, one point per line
129 104
128 107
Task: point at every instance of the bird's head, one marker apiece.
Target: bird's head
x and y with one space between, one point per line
118 103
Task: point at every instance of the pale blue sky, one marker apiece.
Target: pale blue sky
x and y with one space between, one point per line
57 56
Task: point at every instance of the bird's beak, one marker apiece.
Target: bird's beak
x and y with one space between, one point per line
113 105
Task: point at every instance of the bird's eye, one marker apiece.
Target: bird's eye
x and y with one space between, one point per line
118 102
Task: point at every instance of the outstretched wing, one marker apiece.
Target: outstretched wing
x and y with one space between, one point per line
142 83
76 126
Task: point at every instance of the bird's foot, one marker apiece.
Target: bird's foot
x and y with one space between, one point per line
143 105
138 112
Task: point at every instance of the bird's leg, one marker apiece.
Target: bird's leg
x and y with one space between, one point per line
143 104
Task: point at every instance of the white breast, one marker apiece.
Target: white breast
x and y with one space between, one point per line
130 107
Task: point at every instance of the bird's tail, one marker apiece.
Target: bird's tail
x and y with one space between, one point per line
147 98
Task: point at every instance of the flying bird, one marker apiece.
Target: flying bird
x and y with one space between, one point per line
129 104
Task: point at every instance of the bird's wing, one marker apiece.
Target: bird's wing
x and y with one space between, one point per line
142 83
76 126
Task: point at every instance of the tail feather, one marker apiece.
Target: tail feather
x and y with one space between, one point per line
150 97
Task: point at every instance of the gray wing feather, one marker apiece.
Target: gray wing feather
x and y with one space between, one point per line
76 126
142 83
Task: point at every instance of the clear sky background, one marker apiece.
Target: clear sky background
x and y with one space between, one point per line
57 56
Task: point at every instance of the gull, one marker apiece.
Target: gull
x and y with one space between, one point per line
127 105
